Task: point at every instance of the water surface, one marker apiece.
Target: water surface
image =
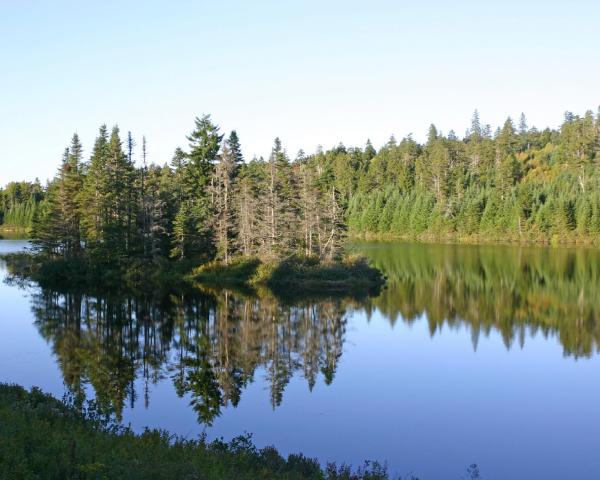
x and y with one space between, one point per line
471 354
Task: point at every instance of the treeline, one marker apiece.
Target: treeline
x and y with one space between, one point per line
516 184
207 203
18 202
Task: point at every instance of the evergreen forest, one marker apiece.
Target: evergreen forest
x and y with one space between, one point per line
515 184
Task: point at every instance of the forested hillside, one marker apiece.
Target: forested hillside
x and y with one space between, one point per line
518 184
18 202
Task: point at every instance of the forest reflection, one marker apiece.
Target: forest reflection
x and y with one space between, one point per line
518 291
210 344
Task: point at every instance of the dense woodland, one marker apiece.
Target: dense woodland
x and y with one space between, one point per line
18 203
518 183
207 203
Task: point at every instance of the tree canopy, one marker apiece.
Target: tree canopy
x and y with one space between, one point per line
520 184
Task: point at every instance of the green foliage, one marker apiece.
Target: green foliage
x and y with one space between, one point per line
237 272
206 205
19 202
520 185
41 437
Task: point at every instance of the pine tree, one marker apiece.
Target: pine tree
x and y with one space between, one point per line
335 233
369 152
475 133
310 207
233 143
250 207
68 197
205 142
94 204
193 221
56 227
119 199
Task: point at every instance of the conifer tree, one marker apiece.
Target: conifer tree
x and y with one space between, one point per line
56 227
193 220
94 204
249 207
233 143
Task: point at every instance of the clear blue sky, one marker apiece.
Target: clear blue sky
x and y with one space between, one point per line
311 72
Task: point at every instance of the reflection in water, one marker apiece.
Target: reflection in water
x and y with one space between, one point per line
210 344
514 290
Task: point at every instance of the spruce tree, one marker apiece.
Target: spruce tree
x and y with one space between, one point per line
233 143
94 203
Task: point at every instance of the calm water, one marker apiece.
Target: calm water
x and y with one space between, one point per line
472 354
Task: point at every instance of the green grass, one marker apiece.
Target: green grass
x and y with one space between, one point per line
10 232
237 272
44 438
300 275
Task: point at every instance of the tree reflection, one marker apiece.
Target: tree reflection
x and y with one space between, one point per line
209 343
516 291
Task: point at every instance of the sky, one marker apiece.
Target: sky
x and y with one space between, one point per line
310 72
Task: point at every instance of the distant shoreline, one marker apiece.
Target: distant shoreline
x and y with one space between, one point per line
13 233
457 239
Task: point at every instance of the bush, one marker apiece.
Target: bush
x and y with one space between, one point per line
308 274
238 271
41 437
295 274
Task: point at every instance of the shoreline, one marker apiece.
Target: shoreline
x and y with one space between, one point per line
14 233
293 276
88 442
476 240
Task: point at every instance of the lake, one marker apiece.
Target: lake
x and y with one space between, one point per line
484 355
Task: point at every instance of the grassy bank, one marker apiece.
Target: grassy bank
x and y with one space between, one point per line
10 232
295 274
42 437
484 239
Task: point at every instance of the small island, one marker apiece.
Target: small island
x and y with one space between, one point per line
208 217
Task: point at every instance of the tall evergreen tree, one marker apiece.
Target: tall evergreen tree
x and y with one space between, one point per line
233 143
94 203
193 220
